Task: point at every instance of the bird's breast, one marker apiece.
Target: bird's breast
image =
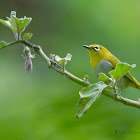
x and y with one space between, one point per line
104 66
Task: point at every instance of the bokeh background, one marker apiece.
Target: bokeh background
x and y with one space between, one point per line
42 105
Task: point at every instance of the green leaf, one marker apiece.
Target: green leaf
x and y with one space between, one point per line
6 23
27 36
52 56
68 57
22 23
121 69
2 44
13 14
17 25
12 21
63 61
103 77
18 20
9 22
57 58
88 95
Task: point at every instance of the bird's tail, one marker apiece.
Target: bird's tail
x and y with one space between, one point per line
137 85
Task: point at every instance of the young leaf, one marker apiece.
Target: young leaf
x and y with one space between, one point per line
103 77
2 44
121 69
88 95
27 36
9 23
57 58
68 57
12 21
6 23
22 23
13 14
63 61
17 25
52 56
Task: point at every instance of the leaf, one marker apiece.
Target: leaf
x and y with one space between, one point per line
9 22
27 36
52 56
13 14
6 23
22 23
18 20
57 58
17 25
88 95
12 21
121 69
62 61
68 57
2 44
103 77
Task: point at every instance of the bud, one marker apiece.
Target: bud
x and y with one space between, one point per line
52 56
28 63
86 77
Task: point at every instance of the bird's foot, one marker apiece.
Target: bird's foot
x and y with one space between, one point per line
119 94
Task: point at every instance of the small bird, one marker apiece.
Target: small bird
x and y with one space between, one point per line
102 60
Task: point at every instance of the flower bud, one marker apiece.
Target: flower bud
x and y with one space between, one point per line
28 65
28 62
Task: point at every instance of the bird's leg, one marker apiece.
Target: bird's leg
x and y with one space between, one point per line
115 91
115 88
120 92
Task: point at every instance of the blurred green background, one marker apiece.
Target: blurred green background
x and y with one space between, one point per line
42 105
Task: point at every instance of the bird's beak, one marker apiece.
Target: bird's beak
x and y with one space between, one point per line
86 46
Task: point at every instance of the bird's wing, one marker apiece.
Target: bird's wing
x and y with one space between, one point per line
113 60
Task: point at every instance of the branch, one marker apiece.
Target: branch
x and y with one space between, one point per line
52 64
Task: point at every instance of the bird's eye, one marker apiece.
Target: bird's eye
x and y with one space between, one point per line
96 48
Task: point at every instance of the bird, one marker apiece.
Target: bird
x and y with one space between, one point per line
103 61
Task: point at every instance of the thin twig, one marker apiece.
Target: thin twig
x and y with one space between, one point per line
52 64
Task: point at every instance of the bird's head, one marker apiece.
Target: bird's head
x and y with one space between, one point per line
97 51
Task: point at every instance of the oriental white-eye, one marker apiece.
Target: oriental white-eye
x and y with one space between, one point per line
102 60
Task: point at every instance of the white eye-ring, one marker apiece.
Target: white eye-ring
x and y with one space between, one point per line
96 48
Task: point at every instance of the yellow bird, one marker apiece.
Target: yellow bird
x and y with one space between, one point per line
102 60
